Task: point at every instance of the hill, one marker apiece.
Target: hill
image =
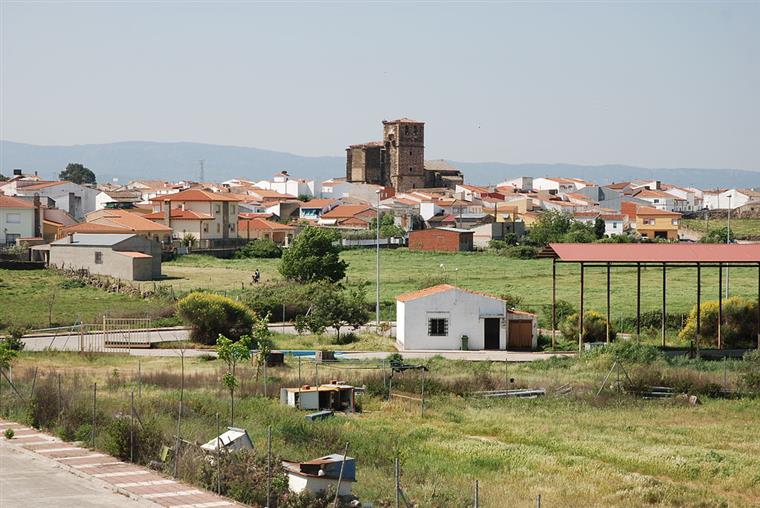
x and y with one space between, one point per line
174 161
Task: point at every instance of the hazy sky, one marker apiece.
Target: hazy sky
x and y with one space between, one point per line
669 85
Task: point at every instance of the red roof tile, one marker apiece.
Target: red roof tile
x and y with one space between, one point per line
11 202
440 288
178 213
196 195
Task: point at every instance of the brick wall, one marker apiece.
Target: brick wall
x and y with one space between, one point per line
440 240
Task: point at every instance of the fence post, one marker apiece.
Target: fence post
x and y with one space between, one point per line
397 472
299 372
477 494
139 379
179 414
316 371
422 398
340 475
266 373
269 466
60 402
132 426
538 501
94 409
218 458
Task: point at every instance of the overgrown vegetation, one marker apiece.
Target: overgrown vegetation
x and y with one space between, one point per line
259 248
210 315
738 329
625 440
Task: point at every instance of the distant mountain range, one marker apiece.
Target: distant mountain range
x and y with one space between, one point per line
132 160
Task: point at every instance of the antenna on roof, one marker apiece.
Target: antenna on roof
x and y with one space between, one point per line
201 162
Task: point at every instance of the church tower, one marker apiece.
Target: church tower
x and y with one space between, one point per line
404 154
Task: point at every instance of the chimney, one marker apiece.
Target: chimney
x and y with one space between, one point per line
17 172
37 216
168 212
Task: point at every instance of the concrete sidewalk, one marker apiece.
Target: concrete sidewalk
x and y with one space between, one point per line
37 469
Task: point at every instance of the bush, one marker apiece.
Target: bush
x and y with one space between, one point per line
563 309
147 439
72 284
9 433
739 328
497 245
259 248
512 301
751 378
269 298
522 252
594 327
629 352
211 315
14 340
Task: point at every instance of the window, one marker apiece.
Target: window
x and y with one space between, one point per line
614 225
13 218
406 129
438 327
205 228
675 222
218 209
218 227
232 227
98 258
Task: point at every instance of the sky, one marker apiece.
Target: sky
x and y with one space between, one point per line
649 84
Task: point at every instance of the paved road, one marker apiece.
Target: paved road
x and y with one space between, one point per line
30 481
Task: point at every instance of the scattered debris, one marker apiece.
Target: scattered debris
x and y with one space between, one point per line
318 475
334 396
658 392
525 393
232 440
319 415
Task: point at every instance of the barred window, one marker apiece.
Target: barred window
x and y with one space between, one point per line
438 327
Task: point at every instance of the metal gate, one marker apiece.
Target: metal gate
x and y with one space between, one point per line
123 334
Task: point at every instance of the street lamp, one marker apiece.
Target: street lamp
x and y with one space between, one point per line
377 266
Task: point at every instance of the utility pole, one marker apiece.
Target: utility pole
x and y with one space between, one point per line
201 163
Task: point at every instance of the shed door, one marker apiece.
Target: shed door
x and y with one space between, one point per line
491 333
520 334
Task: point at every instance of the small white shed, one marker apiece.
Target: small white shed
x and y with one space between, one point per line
436 318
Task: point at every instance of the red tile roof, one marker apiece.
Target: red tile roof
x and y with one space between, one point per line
648 210
440 288
345 211
11 202
262 224
657 253
196 195
180 214
133 254
40 185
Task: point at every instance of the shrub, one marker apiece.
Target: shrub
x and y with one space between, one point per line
563 309
594 327
512 301
751 378
9 433
269 298
72 284
14 340
346 338
188 240
211 315
497 245
739 328
146 439
259 248
629 352
522 252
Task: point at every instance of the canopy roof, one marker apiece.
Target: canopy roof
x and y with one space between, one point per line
656 253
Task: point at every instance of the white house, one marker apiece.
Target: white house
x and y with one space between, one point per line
283 183
77 200
729 198
318 475
438 317
560 185
19 218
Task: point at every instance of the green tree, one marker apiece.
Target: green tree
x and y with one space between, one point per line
333 307
551 226
579 233
233 352
717 235
77 173
3 178
259 248
314 255
599 228
388 227
211 315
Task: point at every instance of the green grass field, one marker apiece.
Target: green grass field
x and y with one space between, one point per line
748 229
25 294
402 270
573 450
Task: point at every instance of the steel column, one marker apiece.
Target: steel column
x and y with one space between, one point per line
699 304
580 315
638 301
664 313
720 305
554 303
608 303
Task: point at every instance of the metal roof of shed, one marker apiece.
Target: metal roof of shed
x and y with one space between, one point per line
656 253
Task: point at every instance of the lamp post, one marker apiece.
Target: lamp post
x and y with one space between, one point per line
377 266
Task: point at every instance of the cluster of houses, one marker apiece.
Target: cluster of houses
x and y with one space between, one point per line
56 216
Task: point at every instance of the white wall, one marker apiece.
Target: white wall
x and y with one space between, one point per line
298 483
465 312
16 221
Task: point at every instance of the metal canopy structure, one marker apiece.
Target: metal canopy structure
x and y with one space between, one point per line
664 256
